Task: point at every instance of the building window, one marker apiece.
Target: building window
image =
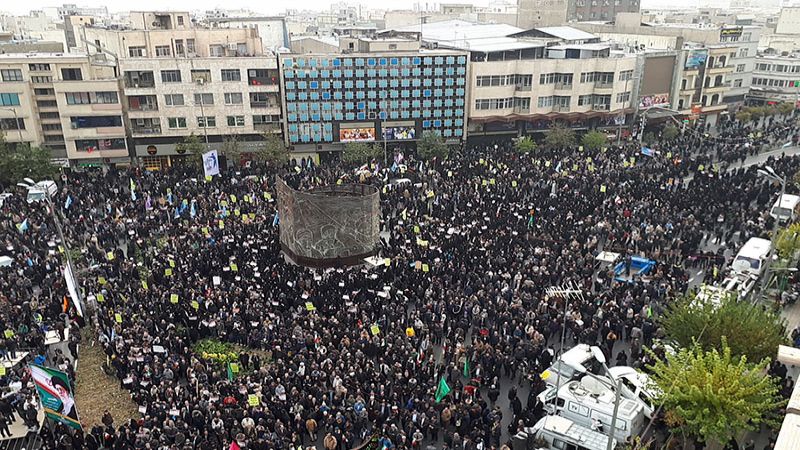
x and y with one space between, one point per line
38 67
233 98
626 75
201 76
48 115
262 119
163 50
179 50
206 122
173 99
170 76
41 79
47 103
259 99
137 52
90 145
235 121
176 122
95 121
623 97
231 75
11 74
106 97
204 99
190 48
258 77
216 50
743 52
78 98
584 100
9 99
737 83
180 20
740 68
44 91
544 102
71 74
12 124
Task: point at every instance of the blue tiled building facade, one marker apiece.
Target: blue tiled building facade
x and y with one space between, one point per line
394 96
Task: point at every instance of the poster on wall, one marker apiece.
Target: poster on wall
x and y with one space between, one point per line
356 134
399 133
56 395
696 58
731 32
648 101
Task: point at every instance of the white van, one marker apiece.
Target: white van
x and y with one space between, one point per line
785 208
559 433
42 189
751 257
581 355
584 403
638 386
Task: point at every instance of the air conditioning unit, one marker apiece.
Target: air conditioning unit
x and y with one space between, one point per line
140 122
232 47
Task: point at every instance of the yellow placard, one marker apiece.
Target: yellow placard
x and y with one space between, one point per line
118 317
253 399
233 198
251 215
669 155
236 212
450 174
545 375
425 268
513 183
100 298
8 334
144 285
422 243
208 178
234 267
416 229
173 298
168 272
247 198
491 181
547 163
223 203
580 148
387 262
574 167
234 367
481 161
2 371
110 256
172 263
221 224
603 188
375 329
310 307
204 230
101 281
410 332
195 305
484 183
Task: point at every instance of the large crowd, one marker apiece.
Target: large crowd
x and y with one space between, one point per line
168 259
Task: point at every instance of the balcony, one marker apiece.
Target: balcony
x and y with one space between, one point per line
522 87
563 86
267 127
601 107
146 130
521 110
143 103
560 108
258 104
139 79
603 84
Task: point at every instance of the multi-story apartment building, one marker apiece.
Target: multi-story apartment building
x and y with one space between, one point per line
177 80
521 81
539 13
213 98
776 79
378 89
64 103
704 80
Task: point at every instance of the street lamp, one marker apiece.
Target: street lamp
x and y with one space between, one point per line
70 274
768 173
16 122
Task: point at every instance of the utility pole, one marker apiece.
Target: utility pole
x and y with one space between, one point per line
770 174
568 292
610 445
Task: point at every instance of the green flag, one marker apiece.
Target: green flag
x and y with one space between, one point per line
466 367
442 390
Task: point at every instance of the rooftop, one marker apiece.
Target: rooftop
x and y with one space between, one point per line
595 46
42 55
459 30
330 40
567 33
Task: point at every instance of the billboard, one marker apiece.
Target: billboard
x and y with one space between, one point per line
696 58
56 395
731 32
647 101
399 133
356 134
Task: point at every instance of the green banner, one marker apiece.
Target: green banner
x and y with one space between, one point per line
56 395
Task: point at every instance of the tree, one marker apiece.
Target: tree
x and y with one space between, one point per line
358 153
670 132
785 108
594 140
192 146
231 149
24 161
788 241
713 395
559 136
649 138
432 146
756 112
525 144
272 150
744 116
750 331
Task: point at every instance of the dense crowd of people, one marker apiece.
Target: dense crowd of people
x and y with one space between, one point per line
351 356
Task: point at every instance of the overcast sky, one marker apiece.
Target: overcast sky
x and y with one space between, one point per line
260 6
